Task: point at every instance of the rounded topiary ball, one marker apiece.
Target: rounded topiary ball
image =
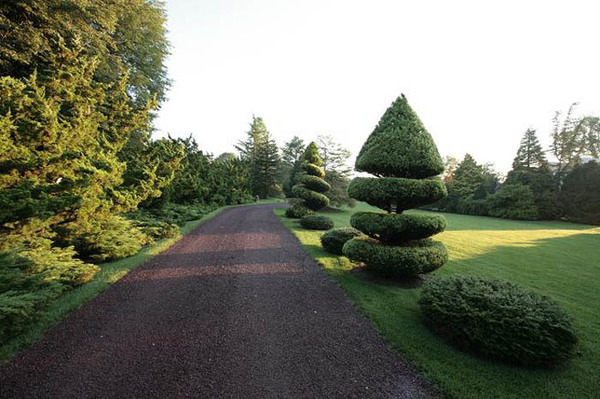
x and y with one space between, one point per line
333 241
498 319
316 222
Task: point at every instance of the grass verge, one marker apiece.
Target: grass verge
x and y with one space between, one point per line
556 259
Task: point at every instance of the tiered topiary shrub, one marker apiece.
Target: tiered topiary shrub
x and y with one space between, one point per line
311 186
498 319
403 156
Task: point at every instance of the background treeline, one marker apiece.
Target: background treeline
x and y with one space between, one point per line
535 189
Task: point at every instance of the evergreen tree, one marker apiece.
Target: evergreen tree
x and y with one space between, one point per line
291 165
403 152
262 154
311 186
531 169
335 164
469 175
530 154
580 194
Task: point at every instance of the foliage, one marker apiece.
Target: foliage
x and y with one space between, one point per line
334 155
338 194
513 201
311 185
543 186
467 178
409 259
400 146
333 241
262 154
316 222
498 319
580 194
291 161
401 150
393 228
530 153
109 238
297 210
396 193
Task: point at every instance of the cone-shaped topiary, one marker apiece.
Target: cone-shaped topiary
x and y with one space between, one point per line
311 186
404 157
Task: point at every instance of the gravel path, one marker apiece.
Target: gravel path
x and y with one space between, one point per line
234 310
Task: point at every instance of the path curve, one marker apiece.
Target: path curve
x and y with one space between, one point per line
236 309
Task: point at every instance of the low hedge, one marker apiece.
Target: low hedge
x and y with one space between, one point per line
405 193
498 319
316 222
313 170
314 183
312 199
396 228
413 258
297 210
333 241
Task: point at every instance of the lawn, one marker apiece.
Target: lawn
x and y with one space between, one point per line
557 259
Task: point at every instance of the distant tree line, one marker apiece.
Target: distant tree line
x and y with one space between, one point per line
534 189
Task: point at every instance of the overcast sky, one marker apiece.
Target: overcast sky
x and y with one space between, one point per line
478 73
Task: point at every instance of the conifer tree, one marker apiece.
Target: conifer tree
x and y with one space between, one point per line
311 186
262 154
530 153
402 153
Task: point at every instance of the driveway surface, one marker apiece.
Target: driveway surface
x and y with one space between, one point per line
236 309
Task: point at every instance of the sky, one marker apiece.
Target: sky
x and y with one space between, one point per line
478 73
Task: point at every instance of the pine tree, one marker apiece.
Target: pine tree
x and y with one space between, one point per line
531 169
468 176
262 154
530 153
404 154
291 165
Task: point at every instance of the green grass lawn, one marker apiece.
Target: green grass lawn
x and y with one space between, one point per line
557 259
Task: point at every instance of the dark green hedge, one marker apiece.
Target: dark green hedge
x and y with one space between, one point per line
333 241
400 146
316 222
498 319
314 183
313 170
406 193
396 228
312 199
297 210
417 257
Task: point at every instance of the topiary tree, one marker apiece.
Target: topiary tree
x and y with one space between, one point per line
403 156
311 186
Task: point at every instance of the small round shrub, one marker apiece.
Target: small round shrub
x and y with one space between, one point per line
316 222
314 183
405 193
396 228
409 259
498 319
297 210
333 241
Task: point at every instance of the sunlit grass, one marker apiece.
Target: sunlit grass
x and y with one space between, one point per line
557 259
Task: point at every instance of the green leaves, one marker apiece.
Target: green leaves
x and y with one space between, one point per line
498 319
400 146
